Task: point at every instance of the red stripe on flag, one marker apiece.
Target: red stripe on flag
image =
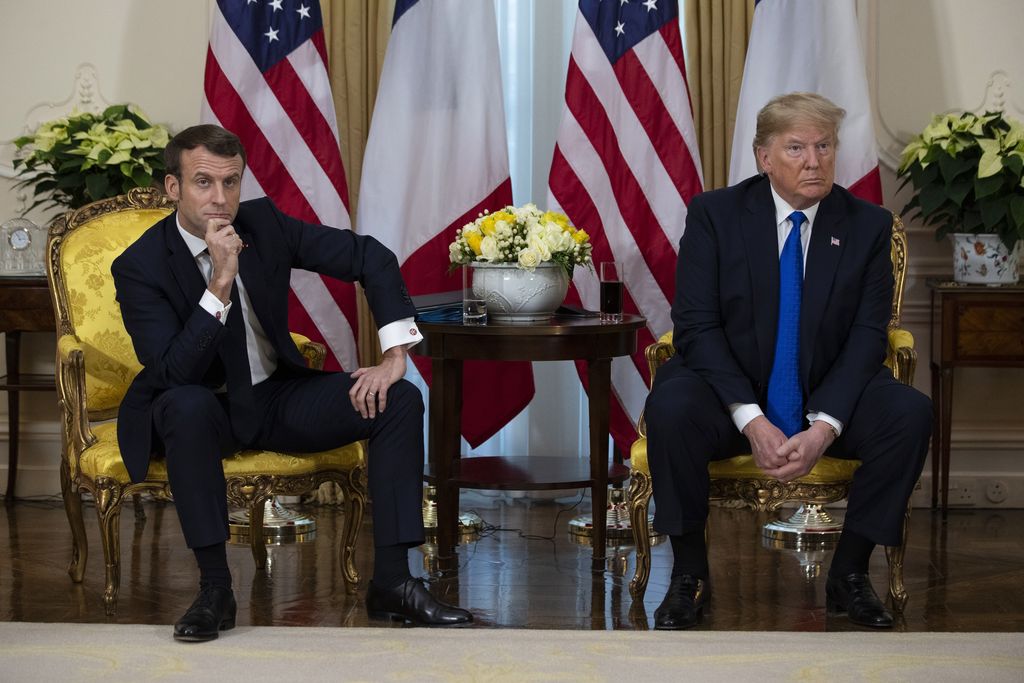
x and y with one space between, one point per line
574 199
425 272
270 172
620 426
668 142
309 122
321 47
636 212
263 162
426 269
869 187
670 34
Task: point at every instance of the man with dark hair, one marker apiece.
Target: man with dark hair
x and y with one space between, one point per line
783 296
204 296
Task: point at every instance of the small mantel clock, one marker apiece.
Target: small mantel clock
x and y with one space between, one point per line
22 248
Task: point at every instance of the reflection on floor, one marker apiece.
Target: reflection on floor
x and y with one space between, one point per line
964 572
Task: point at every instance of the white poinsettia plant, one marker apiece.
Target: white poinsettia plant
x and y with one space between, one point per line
524 236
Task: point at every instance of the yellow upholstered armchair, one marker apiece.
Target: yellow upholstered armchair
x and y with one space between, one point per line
739 480
95 364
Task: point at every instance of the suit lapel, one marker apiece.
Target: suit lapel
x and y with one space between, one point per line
182 263
823 253
761 240
254 276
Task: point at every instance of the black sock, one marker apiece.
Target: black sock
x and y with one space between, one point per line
690 555
390 566
852 555
213 565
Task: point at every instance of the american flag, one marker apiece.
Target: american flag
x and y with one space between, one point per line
266 81
626 165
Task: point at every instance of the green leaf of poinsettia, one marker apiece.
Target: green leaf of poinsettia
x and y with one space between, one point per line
1017 212
993 212
983 187
959 190
97 186
931 198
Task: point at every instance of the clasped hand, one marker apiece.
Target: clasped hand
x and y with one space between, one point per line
787 459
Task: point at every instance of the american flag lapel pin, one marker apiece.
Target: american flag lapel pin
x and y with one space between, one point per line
835 241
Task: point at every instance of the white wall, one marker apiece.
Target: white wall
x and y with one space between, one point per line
933 56
923 56
148 53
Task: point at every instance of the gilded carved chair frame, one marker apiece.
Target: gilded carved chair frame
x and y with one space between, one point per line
247 487
765 494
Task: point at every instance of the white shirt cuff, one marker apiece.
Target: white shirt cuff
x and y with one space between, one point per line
828 419
401 332
215 307
743 413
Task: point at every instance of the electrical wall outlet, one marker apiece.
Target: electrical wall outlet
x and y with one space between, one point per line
996 491
962 492
973 490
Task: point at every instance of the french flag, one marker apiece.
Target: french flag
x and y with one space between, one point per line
811 47
436 157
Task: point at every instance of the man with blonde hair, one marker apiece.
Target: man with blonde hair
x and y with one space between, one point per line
783 295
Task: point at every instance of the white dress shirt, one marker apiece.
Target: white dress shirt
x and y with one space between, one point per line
743 413
262 356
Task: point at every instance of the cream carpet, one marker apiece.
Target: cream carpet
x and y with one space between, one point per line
101 652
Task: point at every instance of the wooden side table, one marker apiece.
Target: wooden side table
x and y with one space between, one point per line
25 306
972 326
568 338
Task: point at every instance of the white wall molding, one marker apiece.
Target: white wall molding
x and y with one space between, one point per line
961 59
85 97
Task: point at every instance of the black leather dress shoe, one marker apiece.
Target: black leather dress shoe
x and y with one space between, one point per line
411 601
683 606
854 595
213 611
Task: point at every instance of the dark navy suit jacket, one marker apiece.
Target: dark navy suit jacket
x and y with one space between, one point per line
159 286
727 295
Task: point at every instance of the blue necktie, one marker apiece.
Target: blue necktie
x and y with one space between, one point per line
785 398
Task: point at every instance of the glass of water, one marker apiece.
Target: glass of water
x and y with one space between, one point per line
474 308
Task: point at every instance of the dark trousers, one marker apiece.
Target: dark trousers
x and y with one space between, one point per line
299 415
687 427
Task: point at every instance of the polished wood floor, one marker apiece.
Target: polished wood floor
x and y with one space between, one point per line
964 572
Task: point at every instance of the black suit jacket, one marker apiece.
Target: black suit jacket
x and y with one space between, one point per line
159 286
725 312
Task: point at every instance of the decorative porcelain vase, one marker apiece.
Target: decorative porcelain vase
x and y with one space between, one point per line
513 294
984 260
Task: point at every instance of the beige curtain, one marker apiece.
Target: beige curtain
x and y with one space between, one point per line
716 46
357 33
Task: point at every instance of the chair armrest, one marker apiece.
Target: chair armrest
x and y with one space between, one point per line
901 357
315 353
656 354
71 401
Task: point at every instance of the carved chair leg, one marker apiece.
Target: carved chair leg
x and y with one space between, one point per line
108 508
256 542
355 494
894 555
73 508
639 501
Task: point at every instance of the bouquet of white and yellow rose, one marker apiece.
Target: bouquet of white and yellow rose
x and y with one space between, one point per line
524 236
